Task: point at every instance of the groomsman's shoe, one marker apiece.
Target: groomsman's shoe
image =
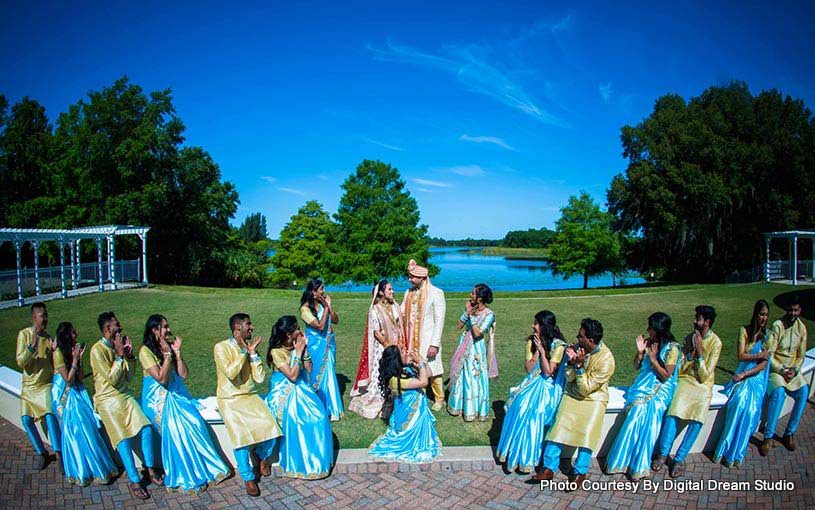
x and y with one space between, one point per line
265 468
252 488
789 442
676 469
578 480
764 448
656 463
545 475
437 406
42 461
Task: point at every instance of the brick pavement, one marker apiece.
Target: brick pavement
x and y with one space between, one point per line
439 485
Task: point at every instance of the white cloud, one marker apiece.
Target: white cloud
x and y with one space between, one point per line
435 184
605 92
494 140
424 190
466 170
268 178
385 145
292 191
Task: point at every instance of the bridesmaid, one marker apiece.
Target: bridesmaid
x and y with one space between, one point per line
746 390
85 455
411 436
318 314
473 363
531 407
307 446
647 399
189 457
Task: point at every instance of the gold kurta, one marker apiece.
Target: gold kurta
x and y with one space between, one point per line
555 351
691 400
246 416
579 420
789 347
38 372
120 412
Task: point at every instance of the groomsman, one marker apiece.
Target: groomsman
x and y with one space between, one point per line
35 359
249 423
423 316
579 420
788 345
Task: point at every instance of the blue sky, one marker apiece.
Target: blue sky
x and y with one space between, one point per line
494 113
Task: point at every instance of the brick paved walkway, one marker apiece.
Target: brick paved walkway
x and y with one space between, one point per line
439 485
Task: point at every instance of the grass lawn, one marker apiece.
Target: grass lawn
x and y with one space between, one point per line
200 316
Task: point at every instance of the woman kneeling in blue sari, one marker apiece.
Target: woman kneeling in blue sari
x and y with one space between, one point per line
531 407
190 460
307 446
411 436
746 390
85 454
646 399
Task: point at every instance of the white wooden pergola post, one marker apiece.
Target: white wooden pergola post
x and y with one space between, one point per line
99 263
795 260
64 290
767 259
36 267
112 261
143 238
17 248
107 251
79 262
72 246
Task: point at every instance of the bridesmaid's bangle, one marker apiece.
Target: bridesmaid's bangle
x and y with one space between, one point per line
422 365
296 359
307 357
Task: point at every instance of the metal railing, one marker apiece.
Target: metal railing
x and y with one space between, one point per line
779 270
87 274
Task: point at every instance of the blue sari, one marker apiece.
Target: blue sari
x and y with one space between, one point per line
469 387
743 409
190 460
85 455
530 411
646 401
307 445
323 376
411 436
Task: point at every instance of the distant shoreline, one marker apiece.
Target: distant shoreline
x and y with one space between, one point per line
510 253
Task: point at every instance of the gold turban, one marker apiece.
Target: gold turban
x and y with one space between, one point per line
415 270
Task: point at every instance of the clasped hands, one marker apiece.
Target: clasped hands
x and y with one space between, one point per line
577 356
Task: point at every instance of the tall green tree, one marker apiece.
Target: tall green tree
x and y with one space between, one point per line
584 242
378 229
253 228
303 251
706 177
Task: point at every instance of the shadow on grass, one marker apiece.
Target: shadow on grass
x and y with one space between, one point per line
805 297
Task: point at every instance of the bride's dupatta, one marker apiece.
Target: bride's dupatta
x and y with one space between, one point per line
458 359
363 378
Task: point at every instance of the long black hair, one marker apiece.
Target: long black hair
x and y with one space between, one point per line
660 322
389 366
65 342
752 328
547 322
281 330
313 284
150 340
380 288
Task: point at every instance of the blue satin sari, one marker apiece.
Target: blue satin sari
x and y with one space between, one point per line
530 411
743 409
411 436
323 376
190 460
646 401
307 446
85 454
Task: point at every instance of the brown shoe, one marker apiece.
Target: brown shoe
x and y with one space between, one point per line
676 469
577 480
657 463
265 468
789 442
764 448
137 491
252 488
42 461
545 475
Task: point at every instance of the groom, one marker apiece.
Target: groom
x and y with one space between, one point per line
423 318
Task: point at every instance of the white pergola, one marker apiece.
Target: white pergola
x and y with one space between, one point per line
792 236
72 238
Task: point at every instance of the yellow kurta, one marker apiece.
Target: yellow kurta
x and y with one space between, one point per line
694 387
789 347
148 360
246 416
555 351
38 371
579 420
120 412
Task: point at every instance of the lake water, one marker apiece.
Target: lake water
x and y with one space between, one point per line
460 271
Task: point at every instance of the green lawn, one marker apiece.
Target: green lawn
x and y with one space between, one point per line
200 316
513 253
